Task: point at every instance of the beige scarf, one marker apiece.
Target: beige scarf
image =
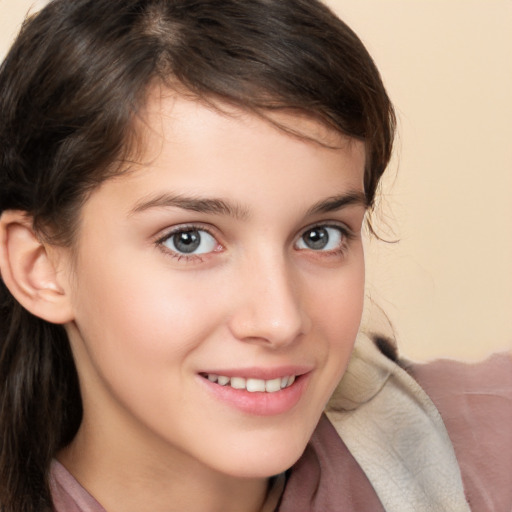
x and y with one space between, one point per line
396 434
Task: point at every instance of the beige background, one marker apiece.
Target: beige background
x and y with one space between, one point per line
447 285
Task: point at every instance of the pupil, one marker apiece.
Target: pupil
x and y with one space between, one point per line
187 241
317 238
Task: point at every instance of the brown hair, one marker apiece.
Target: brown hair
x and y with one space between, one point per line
69 89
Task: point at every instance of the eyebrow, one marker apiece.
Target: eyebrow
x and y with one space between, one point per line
339 202
194 204
222 207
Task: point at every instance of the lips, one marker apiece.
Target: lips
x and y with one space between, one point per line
258 391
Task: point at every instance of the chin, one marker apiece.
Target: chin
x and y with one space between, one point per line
266 468
265 459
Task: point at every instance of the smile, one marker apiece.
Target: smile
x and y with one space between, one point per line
261 391
252 385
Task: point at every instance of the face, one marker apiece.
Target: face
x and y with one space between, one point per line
217 289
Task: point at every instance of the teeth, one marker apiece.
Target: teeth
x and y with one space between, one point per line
222 380
252 385
238 382
271 386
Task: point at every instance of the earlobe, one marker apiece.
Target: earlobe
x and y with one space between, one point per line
29 269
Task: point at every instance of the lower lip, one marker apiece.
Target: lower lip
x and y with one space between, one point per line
260 403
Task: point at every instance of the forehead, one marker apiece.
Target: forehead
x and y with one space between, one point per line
172 113
189 147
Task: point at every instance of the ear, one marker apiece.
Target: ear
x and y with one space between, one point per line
29 268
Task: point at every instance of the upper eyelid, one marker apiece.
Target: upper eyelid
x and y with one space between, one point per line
342 226
166 233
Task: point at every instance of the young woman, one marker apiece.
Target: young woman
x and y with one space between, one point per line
183 186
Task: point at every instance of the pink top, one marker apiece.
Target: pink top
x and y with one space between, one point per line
475 401
68 495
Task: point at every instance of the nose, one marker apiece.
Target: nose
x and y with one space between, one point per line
267 307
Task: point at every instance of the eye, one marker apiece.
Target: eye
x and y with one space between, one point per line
322 238
190 241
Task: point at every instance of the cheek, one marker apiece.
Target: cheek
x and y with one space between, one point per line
137 332
141 319
336 315
338 304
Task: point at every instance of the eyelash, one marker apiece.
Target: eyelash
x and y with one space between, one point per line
181 256
346 236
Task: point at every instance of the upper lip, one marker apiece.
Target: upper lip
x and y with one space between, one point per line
263 373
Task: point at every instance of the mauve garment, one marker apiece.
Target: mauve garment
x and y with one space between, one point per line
475 401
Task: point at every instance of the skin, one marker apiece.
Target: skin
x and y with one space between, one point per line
147 320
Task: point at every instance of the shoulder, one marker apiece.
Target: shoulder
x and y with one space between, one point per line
442 427
493 374
475 403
